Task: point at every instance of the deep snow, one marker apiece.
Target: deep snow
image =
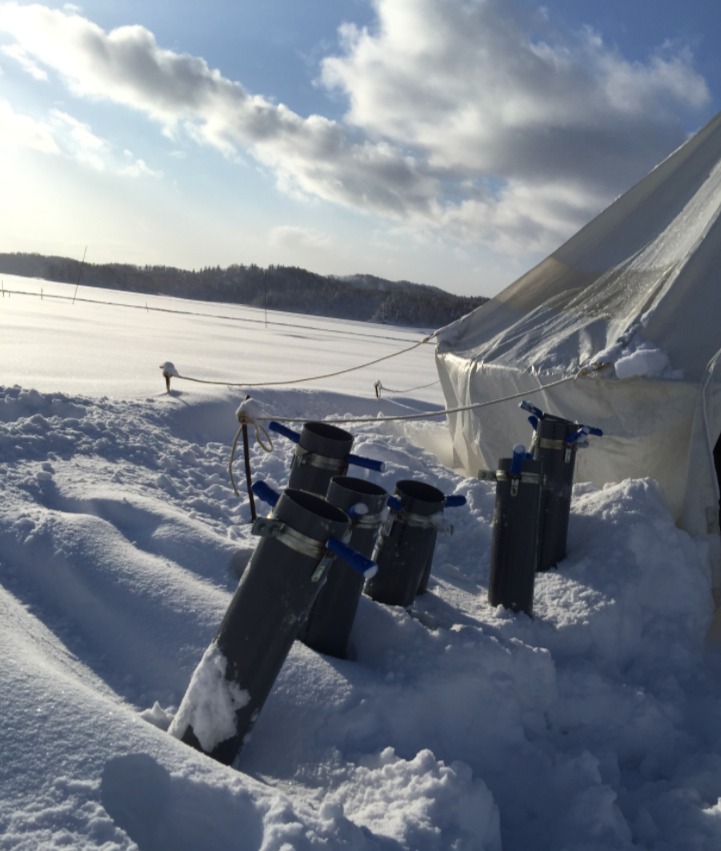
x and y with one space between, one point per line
595 725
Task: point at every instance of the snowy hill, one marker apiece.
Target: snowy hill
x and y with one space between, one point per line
593 725
364 298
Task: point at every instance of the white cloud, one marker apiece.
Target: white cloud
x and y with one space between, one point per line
78 142
25 132
16 52
293 237
61 135
469 85
464 118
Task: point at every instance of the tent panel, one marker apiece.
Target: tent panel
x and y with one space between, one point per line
647 424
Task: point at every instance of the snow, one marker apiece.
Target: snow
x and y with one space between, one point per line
594 725
210 703
632 356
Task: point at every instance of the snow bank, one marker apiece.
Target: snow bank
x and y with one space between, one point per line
452 726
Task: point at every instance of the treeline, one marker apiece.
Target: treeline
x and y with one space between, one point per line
360 297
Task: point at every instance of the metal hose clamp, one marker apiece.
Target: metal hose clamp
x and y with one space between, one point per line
269 527
367 521
305 456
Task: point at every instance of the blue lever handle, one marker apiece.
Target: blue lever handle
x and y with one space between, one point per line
394 503
583 431
284 430
519 455
532 409
596 432
454 500
362 564
265 492
368 463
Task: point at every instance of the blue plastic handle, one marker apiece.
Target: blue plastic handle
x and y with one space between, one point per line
284 430
532 409
534 422
395 503
368 463
519 456
360 563
596 432
265 492
583 431
454 500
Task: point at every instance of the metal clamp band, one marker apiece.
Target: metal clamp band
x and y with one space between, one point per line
367 521
420 521
531 478
549 443
269 527
305 456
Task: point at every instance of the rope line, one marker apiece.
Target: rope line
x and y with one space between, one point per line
245 419
420 415
176 374
380 386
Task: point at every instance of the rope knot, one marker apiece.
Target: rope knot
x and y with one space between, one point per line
249 413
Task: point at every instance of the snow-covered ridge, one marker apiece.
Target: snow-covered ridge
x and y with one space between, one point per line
364 298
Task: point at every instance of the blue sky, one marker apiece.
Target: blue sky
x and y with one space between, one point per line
448 142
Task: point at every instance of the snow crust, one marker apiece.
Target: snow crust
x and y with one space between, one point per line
594 725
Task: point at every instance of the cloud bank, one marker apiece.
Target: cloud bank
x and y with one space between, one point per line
466 119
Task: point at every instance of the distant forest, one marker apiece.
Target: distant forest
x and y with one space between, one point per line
360 297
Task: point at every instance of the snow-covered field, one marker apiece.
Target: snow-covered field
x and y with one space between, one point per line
596 725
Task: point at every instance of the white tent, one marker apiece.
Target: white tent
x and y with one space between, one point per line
622 324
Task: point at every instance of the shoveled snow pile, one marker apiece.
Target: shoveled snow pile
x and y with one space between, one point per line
593 725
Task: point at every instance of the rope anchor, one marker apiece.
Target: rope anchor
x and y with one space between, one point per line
246 415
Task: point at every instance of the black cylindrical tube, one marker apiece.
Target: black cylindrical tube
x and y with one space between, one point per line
428 567
406 543
557 458
273 598
321 453
331 618
514 546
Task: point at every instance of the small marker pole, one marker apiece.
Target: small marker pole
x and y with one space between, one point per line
248 475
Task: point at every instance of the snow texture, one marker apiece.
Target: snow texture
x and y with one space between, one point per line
633 357
594 725
211 702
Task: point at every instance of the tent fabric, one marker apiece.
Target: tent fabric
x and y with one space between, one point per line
622 325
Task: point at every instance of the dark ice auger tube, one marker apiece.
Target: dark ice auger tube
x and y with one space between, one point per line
451 501
322 452
555 442
273 598
406 542
354 558
331 618
514 547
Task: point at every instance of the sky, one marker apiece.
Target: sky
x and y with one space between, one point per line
446 142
